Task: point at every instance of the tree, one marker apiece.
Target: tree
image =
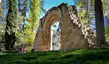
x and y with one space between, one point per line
11 26
32 7
100 32
86 10
105 7
107 34
2 19
22 6
33 22
35 13
1 9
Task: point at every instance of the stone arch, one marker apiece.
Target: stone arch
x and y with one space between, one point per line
74 34
50 19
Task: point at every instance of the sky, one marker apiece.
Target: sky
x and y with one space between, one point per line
47 4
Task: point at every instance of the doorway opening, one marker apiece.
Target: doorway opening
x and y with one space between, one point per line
55 36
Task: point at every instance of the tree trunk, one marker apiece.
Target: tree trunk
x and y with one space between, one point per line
11 26
100 32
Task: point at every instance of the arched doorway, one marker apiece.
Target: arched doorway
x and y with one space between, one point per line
72 33
47 29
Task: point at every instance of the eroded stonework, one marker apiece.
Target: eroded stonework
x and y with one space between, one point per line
74 34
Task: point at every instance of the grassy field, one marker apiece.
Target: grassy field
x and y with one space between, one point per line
78 56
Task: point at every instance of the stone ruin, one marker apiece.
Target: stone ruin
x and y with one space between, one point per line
74 34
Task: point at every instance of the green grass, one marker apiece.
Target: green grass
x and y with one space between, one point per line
78 56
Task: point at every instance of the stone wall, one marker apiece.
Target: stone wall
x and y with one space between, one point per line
74 34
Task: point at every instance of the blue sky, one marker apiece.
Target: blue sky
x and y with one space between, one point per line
47 4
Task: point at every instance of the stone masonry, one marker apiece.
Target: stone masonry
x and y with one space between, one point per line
74 34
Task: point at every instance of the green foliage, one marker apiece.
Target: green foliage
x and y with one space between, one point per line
2 20
11 26
92 2
83 11
2 9
33 22
35 13
28 49
107 33
1 12
11 18
80 4
105 4
105 7
83 16
20 33
2 29
20 38
29 36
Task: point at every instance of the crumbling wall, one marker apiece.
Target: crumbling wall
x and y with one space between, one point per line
74 34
